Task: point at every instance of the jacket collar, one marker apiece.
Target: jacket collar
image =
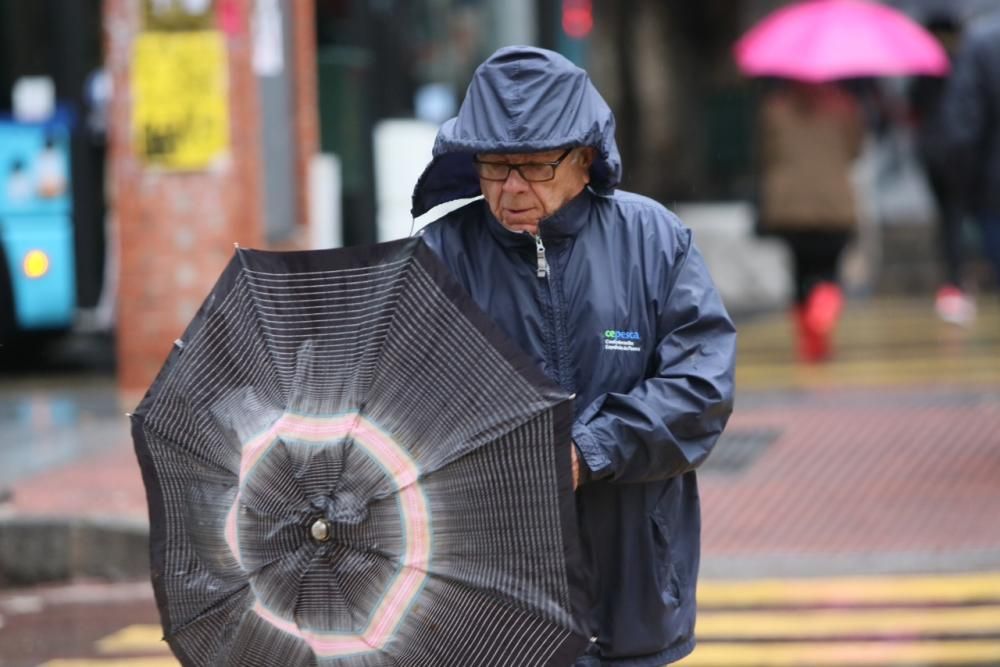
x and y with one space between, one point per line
563 224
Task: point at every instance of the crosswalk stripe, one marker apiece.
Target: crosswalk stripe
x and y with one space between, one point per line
878 318
112 662
903 337
846 654
969 371
870 623
880 342
942 589
134 639
907 334
842 619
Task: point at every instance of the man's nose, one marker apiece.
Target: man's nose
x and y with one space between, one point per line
515 182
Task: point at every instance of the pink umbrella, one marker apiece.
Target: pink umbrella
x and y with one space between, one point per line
820 40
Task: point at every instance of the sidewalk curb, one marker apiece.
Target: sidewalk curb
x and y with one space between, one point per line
36 550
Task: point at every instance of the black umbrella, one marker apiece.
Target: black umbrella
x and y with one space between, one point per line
347 464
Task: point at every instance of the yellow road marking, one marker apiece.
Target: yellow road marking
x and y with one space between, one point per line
970 371
878 343
828 654
134 639
113 662
942 589
779 339
796 624
830 624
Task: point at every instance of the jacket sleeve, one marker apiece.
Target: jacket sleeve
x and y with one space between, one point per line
668 424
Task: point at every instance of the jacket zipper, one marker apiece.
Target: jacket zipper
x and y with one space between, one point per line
544 272
543 264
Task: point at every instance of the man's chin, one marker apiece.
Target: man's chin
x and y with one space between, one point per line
521 226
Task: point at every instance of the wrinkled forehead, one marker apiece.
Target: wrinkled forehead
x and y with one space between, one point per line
522 158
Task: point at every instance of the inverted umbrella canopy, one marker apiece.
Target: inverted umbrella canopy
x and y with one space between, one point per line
822 40
348 464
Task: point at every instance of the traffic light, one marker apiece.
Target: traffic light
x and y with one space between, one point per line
577 18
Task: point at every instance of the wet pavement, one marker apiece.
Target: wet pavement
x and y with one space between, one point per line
869 483
48 422
48 623
875 621
58 403
886 459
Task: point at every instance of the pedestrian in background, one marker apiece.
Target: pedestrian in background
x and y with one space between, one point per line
971 108
810 135
951 302
607 292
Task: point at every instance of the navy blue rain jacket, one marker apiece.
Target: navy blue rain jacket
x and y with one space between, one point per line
626 317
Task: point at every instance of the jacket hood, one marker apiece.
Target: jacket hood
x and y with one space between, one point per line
522 99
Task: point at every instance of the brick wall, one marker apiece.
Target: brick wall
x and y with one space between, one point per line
306 94
176 230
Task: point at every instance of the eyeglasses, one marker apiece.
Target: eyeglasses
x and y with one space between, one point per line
535 172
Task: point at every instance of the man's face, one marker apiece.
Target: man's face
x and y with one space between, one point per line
520 204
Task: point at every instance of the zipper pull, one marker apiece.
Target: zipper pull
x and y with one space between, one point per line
543 264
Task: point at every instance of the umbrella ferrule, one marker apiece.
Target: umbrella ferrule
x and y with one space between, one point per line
320 530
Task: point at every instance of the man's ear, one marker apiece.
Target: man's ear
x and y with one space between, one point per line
587 156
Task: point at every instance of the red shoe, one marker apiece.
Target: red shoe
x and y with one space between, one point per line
823 308
954 307
813 346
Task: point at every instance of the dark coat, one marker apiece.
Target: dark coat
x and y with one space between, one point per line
627 318
971 109
810 137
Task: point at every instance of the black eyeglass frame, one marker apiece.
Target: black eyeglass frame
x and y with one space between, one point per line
554 164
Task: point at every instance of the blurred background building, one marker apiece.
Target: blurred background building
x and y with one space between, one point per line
141 139
324 112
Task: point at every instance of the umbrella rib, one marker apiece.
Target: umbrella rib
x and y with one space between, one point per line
243 281
321 293
281 305
367 550
175 630
508 428
299 603
297 610
263 567
332 291
496 595
312 328
364 270
299 501
180 448
210 337
424 280
400 279
206 337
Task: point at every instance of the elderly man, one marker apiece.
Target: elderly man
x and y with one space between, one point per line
607 293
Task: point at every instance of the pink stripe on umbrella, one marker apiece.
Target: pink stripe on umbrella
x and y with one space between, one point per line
414 515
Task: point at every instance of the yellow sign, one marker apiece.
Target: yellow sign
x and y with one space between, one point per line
180 98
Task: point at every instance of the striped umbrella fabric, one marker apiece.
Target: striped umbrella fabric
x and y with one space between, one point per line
348 464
